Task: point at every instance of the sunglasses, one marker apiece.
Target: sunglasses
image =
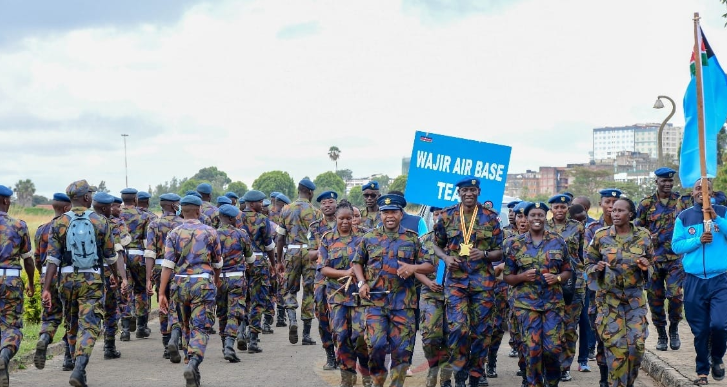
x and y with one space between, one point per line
370 195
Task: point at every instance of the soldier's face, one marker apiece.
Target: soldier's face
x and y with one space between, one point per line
356 216
621 213
664 185
265 210
344 220
115 209
256 206
580 217
697 192
370 197
328 206
391 219
234 201
536 219
521 221
469 195
511 216
559 211
607 204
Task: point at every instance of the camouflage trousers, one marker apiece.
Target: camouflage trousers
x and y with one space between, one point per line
623 330
500 316
389 330
297 267
194 299
322 313
350 332
665 283
51 318
82 295
11 312
592 313
110 307
258 292
433 326
571 317
469 321
136 266
231 307
165 327
515 342
126 303
542 335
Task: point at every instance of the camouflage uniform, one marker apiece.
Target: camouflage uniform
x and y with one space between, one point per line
14 248
112 295
236 249
591 229
52 317
208 209
538 306
621 322
260 231
124 301
389 317
276 288
468 290
137 222
191 251
370 220
315 232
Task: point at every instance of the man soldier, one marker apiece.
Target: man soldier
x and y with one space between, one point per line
370 216
205 192
142 203
277 281
657 214
293 233
234 198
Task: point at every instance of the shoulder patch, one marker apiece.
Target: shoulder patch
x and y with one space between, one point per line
692 230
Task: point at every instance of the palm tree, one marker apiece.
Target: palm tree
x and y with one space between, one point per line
334 153
24 190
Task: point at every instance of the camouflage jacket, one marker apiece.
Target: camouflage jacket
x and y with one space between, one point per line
192 248
14 242
156 234
57 238
294 221
236 246
136 222
658 218
336 252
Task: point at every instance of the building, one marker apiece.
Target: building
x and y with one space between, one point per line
405 161
642 138
546 181
359 181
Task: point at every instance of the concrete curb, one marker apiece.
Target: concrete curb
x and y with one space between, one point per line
57 348
662 372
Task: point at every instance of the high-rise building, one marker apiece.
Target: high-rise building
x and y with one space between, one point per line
642 138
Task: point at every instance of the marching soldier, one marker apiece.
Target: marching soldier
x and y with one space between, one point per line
370 216
205 192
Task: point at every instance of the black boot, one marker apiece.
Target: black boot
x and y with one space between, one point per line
40 351
474 381
132 324
173 346
125 329
330 358
307 340
674 341
5 356
254 345
293 328
460 379
242 336
191 373
78 377
281 318
165 342
267 321
229 350
109 349
142 331
604 376
68 362
483 381
491 364
661 341
524 382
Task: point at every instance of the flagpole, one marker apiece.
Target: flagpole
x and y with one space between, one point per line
706 198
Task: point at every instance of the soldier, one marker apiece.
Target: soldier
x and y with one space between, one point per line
293 232
574 291
14 247
516 343
657 213
328 201
370 216
142 203
356 217
266 207
619 257
137 223
124 299
205 191
511 216
236 250
50 318
536 265
259 268
234 198
81 284
473 237
384 263
335 265
202 217
156 234
215 219
192 259
277 281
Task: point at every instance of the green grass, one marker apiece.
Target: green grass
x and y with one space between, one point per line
30 338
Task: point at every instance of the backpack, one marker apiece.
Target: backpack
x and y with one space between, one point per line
81 241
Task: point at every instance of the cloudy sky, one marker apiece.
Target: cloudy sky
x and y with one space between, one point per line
251 86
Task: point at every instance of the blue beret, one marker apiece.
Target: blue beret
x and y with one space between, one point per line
570 195
373 184
610 192
129 191
520 207
170 197
266 202
664 172
253 196
204 188
468 182
193 193
513 203
283 199
391 202
307 184
327 195
118 200
103 198
432 209
229 210
532 206
274 194
561 198
142 195
59 197
191 200
77 188
5 191
232 195
223 200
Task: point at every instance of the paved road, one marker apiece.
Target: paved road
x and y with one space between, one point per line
280 364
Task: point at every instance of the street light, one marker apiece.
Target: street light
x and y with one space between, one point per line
126 166
659 105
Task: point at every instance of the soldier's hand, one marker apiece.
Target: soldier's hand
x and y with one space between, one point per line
273 272
499 269
149 288
45 299
163 303
643 263
452 262
405 270
124 287
528 276
281 268
476 253
433 286
550 279
112 282
29 290
706 238
363 292
602 265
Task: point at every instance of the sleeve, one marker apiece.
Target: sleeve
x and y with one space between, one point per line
361 255
641 211
116 235
55 244
440 233
246 244
423 229
593 255
581 237
170 252
26 247
150 245
282 229
37 238
722 224
566 265
497 234
107 240
323 255
649 248
681 241
269 242
509 259
217 262
422 256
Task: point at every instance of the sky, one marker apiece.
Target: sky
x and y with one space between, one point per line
252 86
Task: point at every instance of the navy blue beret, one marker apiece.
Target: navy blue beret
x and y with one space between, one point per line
468 182
191 200
391 202
513 203
266 202
223 200
560 198
373 184
61 197
170 197
538 205
569 194
520 207
664 172
433 209
118 200
253 196
229 210
610 192
193 193
274 194
204 188
142 195
232 195
103 198
327 195
129 191
307 184
283 199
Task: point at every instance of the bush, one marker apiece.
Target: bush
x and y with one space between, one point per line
33 306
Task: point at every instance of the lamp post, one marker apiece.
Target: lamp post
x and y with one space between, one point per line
658 105
126 165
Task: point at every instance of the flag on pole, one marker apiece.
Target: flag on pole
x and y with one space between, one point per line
714 90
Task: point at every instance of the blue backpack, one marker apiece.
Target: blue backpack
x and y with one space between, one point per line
81 241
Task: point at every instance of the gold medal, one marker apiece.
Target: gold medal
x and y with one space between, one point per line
466 245
464 249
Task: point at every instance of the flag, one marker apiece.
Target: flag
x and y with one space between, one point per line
714 89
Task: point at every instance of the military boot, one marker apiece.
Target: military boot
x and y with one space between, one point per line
445 376
330 358
173 346
125 329
132 324
293 328
674 342
524 382
604 376
474 381
367 381
483 381
5 356
431 380
142 331
242 336
191 373
281 318
460 379
347 378
78 377
109 349
662 340
491 370
68 363
267 322
229 350
254 345
307 340
40 351
165 342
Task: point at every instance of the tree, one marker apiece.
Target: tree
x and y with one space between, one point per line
587 182
24 190
634 191
345 174
334 153
355 196
39 199
212 174
188 185
102 187
330 181
384 182
238 187
276 181
399 184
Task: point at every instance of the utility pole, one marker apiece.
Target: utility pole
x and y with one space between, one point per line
126 165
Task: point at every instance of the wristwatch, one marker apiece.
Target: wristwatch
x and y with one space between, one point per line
558 277
360 283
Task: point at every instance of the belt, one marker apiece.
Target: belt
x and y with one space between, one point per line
135 252
304 246
158 261
257 254
45 268
203 275
233 274
71 269
10 272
